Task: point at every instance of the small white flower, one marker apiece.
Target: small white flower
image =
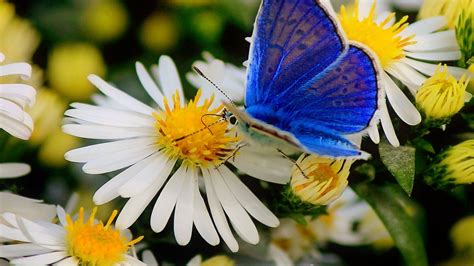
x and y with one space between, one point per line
402 50
78 242
152 142
14 98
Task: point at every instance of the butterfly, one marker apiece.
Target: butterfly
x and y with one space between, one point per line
307 85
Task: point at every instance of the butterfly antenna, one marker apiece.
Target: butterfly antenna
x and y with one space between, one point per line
195 68
293 161
199 130
204 124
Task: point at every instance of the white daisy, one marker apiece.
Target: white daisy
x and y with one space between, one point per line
401 49
28 208
153 142
13 100
12 170
72 242
229 78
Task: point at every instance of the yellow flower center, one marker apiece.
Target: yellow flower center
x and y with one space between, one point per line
441 95
95 243
195 133
323 180
382 39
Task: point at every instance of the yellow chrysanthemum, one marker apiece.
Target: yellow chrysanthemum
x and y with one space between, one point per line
462 235
184 134
441 96
454 166
382 39
104 20
68 68
323 181
450 9
94 243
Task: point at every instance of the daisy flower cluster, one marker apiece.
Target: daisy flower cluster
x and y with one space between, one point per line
157 147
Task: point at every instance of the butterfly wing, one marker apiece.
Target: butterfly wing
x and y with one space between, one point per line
293 41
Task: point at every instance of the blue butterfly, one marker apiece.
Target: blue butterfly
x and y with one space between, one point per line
307 85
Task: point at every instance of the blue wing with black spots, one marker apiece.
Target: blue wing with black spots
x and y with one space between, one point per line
294 40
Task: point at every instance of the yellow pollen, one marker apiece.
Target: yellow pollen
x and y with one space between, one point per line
95 243
382 39
194 133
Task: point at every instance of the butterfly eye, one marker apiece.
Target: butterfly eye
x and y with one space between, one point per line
233 120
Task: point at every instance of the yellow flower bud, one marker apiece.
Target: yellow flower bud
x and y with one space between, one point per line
219 260
323 181
159 32
454 166
52 151
441 96
462 235
68 68
104 20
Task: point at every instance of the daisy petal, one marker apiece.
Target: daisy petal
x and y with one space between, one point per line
434 41
248 200
169 78
166 201
203 221
42 259
218 214
239 218
21 250
400 103
388 126
106 132
183 215
435 56
424 26
149 84
71 261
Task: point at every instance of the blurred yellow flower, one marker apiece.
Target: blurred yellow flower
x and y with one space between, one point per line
159 32
52 151
454 166
441 96
324 180
47 132
219 260
68 68
104 20
191 3
462 235
18 39
450 9
207 26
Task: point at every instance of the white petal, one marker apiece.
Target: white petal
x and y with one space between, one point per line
203 221
388 126
61 214
118 161
109 190
429 69
406 74
166 201
218 214
263 166
18 129
111 117
96 151
149 258
107 132
183 215
374 133
22 94
399 102
41 233
279 256
239 218
159 168
433 41
22 69
137 203
11 109
120 96
42 259
20 250
133 261
435 56
195 261
169 78
11 170
424 26
71 261
149 84
248 200
12 234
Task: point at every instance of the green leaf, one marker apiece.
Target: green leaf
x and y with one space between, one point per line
388 203
424 145
400 161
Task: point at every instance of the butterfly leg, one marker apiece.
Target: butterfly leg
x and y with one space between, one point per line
293 161
232 155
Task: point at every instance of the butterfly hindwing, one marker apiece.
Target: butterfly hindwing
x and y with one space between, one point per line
294 40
